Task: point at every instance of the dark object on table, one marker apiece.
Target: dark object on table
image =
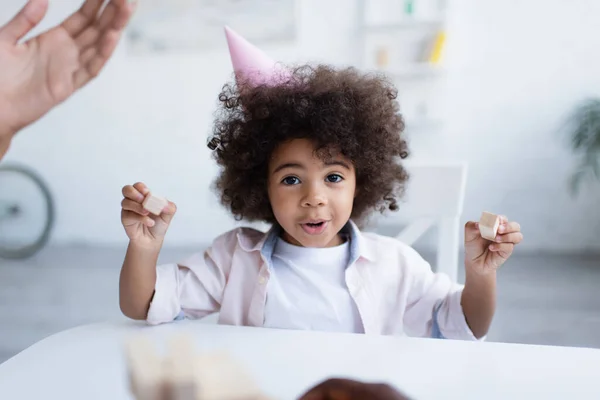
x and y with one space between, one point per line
347 389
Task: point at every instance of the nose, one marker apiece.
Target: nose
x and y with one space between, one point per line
314 197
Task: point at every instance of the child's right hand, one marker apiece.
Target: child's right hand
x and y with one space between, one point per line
140 225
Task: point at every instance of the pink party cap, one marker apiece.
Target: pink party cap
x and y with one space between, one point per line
252 64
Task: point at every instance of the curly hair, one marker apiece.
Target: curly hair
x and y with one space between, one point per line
339 110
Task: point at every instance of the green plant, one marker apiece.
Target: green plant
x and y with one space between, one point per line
584 135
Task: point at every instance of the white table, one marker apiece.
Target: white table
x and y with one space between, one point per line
87 363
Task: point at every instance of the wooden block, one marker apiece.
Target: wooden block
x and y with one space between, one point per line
184 375
488 225
221 378
154 204
145 370
383 58
180 369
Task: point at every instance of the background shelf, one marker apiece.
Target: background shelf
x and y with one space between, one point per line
405 40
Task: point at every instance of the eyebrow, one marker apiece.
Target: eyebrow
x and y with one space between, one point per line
301 166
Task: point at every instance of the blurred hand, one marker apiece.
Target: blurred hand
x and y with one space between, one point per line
4 144
346 389
42 72
140 225
484 256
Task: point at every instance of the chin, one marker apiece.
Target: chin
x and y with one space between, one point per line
322 240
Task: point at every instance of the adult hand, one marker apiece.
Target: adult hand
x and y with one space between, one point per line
40 73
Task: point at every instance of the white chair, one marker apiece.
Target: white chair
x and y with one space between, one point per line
434 196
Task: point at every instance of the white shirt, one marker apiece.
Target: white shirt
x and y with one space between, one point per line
307 289
394 288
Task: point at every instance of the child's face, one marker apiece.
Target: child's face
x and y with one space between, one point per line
311 200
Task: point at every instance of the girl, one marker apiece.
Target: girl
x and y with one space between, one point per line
313 151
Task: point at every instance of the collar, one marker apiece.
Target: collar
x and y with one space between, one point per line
265 242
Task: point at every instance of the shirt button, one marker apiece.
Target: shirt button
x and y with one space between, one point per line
262 280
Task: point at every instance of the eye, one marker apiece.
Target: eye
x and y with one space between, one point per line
334 178
290 180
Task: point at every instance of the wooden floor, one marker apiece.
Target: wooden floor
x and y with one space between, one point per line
550 300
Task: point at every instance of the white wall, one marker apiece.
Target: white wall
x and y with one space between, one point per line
515 69
523 65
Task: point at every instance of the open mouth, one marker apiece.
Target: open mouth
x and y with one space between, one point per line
314 228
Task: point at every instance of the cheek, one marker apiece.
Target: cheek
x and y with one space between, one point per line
347 200
279 199
348 195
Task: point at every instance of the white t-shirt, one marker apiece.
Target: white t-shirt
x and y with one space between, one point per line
307 290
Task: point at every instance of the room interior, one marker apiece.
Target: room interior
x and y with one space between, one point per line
501 103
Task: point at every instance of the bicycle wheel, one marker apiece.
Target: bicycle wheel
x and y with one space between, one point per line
26 212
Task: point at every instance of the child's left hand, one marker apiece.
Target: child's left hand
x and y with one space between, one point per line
484 256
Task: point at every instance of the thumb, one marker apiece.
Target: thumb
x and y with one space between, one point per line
27 19
168 212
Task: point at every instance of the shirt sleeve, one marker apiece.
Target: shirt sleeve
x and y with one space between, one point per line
434 304
193 288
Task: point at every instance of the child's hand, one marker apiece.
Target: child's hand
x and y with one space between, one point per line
141 226
482 255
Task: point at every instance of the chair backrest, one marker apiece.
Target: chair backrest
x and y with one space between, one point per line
435 189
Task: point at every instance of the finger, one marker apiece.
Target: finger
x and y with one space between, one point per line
82 18
94 66
170 209
114 17
27 19
168 212
88 38
133 193
125 10
514 238
129 218
502 219
131 205
90 35
142 188
87 56
472 231
108 16
104 36
509 227
504 250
